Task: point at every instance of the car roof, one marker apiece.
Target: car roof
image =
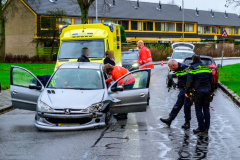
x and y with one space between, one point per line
129 52
206 57
85 65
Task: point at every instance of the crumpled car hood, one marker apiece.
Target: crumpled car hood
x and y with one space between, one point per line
70 98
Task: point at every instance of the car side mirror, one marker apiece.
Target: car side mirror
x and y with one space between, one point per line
118 88
219 66
34 86
54 57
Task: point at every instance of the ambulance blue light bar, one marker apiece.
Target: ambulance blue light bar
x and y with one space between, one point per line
61 28
110 25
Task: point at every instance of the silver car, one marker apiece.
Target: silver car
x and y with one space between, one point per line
76 96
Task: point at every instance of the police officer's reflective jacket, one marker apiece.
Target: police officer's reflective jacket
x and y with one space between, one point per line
182 75
199 76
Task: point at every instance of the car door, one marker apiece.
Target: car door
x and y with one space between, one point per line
131 99
25 88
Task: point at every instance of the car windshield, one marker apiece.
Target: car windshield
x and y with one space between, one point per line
130 56
73 49
206 62
182 55
86 79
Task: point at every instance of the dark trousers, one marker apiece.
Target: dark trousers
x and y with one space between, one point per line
202 108
182 100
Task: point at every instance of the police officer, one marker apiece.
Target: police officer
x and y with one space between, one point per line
200 79
179 69
84 56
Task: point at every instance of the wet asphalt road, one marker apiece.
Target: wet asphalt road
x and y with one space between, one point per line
142 136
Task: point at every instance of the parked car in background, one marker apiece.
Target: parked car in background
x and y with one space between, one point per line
208 61
128 58
182 50
76 96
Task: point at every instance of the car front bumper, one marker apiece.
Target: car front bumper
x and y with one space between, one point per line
42 122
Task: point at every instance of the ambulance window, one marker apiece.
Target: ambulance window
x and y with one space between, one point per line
73 49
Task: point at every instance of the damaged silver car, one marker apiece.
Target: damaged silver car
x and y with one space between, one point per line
76 96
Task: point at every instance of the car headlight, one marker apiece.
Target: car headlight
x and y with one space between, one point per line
135 65
95 107
43 107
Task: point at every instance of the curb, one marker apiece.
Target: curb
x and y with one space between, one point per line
230 93
6 109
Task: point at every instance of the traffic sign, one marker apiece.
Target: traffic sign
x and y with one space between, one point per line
224 34
215 37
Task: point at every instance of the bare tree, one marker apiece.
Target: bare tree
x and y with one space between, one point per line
2 31
235 3
53 22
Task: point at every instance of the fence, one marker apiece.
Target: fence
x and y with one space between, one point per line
46 50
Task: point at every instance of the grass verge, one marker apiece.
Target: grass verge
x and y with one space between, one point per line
36 69
230 76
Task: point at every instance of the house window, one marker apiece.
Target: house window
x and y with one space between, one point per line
179 27
235 30
134 25
157 26
189 27
163 26
125 25
108 21
77 21
206 29
170 27
65 21
140 25
200 29
47 22
229 30
214 30
93 21
148 26
221 29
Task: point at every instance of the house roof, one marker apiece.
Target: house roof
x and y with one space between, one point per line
124 9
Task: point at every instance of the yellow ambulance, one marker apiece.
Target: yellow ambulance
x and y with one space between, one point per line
98 38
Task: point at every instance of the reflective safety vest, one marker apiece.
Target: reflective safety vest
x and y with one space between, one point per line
200 69
118 72
145 58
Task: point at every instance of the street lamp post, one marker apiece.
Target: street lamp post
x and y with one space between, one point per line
183 19
96 13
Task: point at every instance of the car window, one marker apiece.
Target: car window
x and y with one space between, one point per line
73 49
205 61
129 56
182 55
86 79
22 78
136 80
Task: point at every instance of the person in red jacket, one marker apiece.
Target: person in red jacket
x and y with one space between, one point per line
116 72
127 82
145 57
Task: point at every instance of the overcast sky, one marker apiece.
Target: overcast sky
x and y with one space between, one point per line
216 5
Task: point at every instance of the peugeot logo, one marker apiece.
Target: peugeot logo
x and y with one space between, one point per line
67 111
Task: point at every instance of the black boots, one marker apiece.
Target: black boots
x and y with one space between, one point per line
167 121
196 131
186 125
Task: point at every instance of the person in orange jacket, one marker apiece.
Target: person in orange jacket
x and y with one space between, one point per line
145 57
128 82
116 72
